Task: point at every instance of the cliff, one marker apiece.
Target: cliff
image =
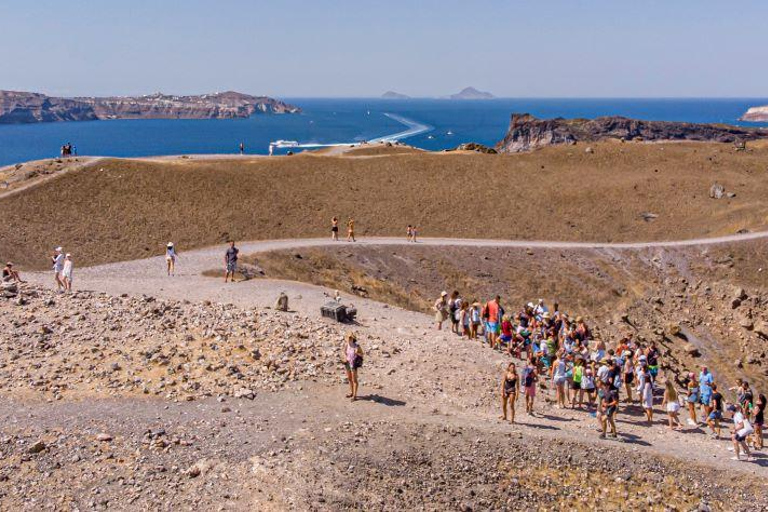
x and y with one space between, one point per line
26 107
526 132
756 115
470 93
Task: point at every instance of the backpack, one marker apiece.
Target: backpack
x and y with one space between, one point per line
528 377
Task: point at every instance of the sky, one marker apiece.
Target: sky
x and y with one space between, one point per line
316 48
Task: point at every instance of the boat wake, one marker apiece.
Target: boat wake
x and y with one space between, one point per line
413 128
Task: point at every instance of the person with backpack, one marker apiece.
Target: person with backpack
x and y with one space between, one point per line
352 357
530 380
454 305
491 317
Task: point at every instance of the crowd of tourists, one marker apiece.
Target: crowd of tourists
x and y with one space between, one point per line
560 356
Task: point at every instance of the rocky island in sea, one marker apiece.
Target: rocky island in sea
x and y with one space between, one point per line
527 132
29 107
392 95
470 93
756 114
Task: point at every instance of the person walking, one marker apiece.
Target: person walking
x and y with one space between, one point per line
741 430
230 261
170 258
335 229
441 310
509 386
351 230
57 261
242 148
66 273
352 357
672 405
530 380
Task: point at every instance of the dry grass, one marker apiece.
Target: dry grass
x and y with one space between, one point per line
127 209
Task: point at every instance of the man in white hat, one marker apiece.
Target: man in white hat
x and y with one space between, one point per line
57 259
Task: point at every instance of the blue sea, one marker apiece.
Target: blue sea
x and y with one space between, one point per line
432 124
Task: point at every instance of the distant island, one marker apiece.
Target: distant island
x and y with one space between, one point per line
526 132
392 95
29 107
470 93
756 114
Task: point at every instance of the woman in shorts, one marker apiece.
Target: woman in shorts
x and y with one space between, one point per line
170 258
351 230
66 273
759 422
693 398
509 385
352 357
672 405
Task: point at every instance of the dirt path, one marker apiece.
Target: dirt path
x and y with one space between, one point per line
417 377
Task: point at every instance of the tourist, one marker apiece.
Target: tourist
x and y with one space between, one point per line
352 357
672 405
66 273
577 391
646 393
465 319
441 310
588 386
506 333
230 260
413 234
757 444
351 230
558 374
409 233
58 266
705 391
454 304
746 401
628 372
10 274
170 258
509 387
491 318
692 399
716 414
335 229
530 381
474 319
741 430
242 148
652 354
609 408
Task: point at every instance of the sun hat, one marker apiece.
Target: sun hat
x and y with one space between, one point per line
59 248
9 264
443 293
67 255
530 305
170 244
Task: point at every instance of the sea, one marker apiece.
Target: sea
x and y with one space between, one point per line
432 124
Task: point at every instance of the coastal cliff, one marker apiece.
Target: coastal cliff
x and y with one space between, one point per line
756 114
527 132
27 107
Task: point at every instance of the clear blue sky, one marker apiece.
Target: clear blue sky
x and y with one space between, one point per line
561 48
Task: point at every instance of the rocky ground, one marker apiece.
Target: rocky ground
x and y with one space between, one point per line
138 402
700 305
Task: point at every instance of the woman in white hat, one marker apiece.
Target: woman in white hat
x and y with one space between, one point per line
170 258
441 310
66 273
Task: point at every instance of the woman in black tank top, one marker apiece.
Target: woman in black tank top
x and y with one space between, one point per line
509 385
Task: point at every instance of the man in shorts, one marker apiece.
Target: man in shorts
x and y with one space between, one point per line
492 321
230 260
716 414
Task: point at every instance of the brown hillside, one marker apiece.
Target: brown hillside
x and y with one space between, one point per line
126 209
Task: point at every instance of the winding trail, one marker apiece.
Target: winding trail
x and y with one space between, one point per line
426 351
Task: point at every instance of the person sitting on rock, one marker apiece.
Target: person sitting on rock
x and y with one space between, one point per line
10 274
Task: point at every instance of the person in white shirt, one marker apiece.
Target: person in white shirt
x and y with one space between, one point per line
58 267
66 273
741 430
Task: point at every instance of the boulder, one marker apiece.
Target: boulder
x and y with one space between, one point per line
716 191
691 350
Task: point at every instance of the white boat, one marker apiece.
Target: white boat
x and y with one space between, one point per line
284 144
